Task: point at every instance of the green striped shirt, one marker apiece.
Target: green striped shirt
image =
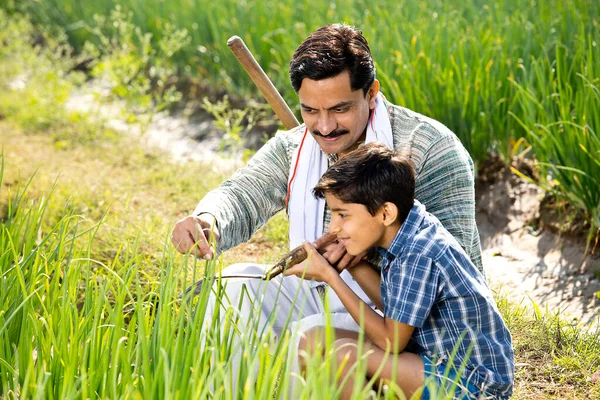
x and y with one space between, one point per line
444 182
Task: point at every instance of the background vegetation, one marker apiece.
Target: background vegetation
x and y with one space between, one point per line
503 75
85 264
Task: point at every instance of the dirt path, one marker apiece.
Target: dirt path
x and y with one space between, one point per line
530 266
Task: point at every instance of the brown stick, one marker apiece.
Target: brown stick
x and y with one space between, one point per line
297 255
262 81
294 257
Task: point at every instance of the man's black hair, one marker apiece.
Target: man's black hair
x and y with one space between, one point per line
371 175
329 51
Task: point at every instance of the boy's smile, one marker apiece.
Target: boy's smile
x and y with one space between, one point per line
355 227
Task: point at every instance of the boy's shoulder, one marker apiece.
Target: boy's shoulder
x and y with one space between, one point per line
424 237
425 234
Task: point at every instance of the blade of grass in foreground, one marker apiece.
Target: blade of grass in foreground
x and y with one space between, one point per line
72 327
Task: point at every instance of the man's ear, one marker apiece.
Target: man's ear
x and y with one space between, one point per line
372 93
389 213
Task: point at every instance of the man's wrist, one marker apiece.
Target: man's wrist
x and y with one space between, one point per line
211 220
214 221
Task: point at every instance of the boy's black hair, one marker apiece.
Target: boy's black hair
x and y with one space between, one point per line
371 175
329 51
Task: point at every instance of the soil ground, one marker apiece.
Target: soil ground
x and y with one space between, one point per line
530 265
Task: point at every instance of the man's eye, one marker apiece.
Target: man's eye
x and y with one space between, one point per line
340 110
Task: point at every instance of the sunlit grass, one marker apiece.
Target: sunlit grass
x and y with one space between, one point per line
560 102
90 284
554 359
451 61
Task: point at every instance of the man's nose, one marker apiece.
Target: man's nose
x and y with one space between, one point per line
326 124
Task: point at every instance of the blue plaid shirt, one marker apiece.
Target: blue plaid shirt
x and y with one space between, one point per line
427 281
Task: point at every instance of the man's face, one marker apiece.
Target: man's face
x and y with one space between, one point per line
335 114
354 226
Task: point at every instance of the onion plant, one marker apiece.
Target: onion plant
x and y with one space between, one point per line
559 103
495 74
74 327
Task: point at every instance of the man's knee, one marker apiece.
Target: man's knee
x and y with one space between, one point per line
234 287
244 268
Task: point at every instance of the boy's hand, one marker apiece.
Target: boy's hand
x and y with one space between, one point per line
315 267
336 255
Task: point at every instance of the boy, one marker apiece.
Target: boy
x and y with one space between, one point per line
439 317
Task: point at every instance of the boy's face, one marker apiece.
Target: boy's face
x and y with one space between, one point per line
355 227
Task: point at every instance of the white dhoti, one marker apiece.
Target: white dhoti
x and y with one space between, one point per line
272 307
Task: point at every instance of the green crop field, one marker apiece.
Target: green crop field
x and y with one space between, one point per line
492 72
89 284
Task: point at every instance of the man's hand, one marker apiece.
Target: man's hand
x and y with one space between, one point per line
192 235
336 255
315 267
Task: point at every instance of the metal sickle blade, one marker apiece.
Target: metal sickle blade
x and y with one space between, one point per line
249 276
198 285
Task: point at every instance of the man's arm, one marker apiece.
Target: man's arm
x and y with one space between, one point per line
245 201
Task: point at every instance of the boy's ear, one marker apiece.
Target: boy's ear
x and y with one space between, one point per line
389 213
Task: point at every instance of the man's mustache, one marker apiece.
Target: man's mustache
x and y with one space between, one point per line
332 134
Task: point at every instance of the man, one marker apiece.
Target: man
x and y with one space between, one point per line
333 73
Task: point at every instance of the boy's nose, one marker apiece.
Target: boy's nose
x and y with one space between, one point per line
333 228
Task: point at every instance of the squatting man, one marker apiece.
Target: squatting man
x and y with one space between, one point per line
333 73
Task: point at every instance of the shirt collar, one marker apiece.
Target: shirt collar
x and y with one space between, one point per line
407 231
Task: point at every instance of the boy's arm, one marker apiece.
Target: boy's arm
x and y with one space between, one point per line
385 333
369 280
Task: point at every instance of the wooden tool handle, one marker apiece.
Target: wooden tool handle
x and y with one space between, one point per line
262 81
297 255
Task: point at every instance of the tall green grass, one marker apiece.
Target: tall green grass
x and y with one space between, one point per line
74 327
560 102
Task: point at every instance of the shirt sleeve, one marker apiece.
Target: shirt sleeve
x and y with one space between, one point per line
252 195
445 184
411 289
